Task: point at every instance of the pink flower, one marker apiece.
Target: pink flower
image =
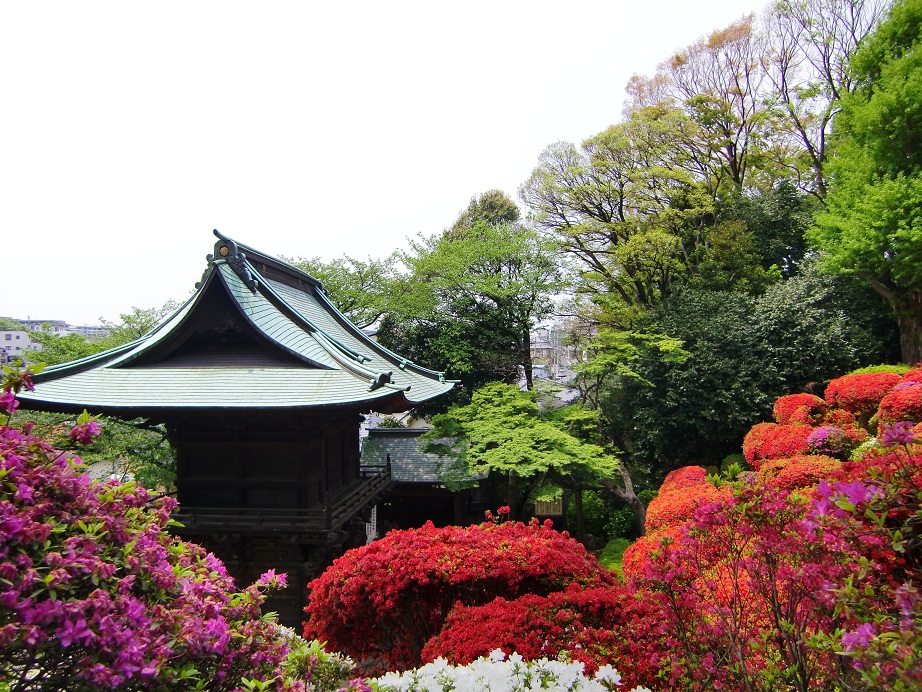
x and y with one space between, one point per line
85 432
8 402
862 636
898 434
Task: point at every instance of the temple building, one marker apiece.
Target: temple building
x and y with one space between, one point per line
260 382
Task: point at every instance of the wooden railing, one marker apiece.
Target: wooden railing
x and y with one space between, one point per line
335 512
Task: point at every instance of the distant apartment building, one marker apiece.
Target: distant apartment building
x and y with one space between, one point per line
50 326
551 356
16 344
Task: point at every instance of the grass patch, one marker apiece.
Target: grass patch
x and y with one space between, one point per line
613 553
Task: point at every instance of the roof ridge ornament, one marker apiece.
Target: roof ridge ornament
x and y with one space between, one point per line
227 250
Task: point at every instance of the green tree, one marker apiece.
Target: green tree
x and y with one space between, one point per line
7 324
716 83
873 225
809 45
131 326
472 296
136 323
626 206
743 352
503 430
63 349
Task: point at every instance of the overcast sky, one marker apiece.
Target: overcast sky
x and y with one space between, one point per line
128 130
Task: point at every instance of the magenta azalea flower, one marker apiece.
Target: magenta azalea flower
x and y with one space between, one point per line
85 432
898 434
8 402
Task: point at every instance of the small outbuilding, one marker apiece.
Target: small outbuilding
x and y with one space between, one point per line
260 382
424 486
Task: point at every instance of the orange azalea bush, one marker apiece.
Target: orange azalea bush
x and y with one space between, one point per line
805 409
903 403
798 472
637 556
773 441
860 393
685 477
678 504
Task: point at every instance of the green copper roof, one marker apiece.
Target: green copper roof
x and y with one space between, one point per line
257 334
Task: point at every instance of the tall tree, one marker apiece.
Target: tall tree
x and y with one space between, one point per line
716 82
472 295
873 225
809 45
622 205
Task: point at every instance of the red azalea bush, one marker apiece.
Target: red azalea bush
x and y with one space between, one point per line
95 594
773 441
798 472
902 404
382 602
614 625
860 393
804 409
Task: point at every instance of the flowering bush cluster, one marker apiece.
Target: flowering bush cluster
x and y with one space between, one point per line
382 602
497 673
806 574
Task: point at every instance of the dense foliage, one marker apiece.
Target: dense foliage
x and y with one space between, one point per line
872 226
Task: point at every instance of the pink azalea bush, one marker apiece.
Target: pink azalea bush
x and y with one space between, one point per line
96 594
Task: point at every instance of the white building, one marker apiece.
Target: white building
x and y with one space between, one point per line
16 344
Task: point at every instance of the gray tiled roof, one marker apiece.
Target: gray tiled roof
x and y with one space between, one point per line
296 351
409 464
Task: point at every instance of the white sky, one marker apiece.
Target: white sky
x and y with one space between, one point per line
128 130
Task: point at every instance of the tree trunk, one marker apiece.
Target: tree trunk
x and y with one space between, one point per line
909 318
526 360
907 306
627 494
580 527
